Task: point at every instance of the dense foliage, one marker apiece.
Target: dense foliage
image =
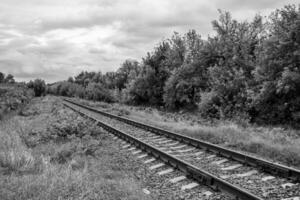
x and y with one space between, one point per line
248 70
38 86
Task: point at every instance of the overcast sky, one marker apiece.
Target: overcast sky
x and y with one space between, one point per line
55 39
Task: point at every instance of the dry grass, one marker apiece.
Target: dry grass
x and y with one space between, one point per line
41 161
273 143
62 182
15 157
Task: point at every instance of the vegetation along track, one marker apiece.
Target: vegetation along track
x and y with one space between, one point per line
243 176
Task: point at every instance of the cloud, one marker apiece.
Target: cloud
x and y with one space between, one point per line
52 48
59 38
247 5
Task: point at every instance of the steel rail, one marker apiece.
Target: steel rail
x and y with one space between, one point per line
191 171
262 164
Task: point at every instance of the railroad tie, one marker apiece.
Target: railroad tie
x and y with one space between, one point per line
232 167
178 147
225 176
154 137
167 171
142 156
150 160
185 150
184 155
171 144
159 139
156 166
292 198
219 162
190 154
210 157
198 153
177 179
189 186
136 152
164 141
207 193
250 173
266 178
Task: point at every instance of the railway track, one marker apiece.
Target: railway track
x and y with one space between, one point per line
240 175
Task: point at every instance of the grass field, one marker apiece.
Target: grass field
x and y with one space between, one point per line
274 143
47 152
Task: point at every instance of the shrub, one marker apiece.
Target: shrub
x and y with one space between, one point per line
183 86
209 105
38 86
97 92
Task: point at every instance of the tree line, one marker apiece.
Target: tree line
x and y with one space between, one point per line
247 69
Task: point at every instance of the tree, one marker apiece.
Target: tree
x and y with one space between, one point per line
190 77
277 96
38 86
109 80
71 79
2 77
140 90
176 53
98 93
128 71
147 87
9 79
232 59
84 78
246 70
